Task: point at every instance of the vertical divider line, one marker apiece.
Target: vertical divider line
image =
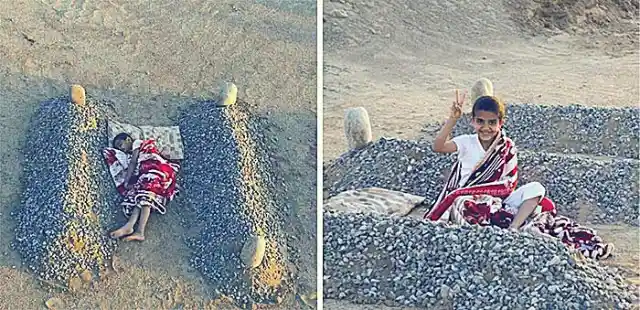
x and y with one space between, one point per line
319 132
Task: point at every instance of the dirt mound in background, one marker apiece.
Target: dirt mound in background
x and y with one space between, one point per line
415 25
575 15
603 23
614 19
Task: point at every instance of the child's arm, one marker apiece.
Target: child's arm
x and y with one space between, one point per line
442 143
132 166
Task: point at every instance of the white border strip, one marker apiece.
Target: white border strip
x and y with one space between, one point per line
319 131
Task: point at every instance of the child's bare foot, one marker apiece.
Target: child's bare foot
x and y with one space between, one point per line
135 237
120 232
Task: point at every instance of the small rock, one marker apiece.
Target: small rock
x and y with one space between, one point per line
54 303
228 95
75 284
253 251
78 95
116 264
86 276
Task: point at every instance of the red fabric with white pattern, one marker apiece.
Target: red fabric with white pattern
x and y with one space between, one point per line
154 180
496 175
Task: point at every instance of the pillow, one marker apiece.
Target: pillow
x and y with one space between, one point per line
373 200
114 128
167 137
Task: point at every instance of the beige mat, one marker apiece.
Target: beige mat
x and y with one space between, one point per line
373 200
167 137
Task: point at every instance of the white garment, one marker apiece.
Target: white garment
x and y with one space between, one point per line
523 193
470 152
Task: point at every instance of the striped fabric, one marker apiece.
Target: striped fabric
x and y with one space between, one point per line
495 175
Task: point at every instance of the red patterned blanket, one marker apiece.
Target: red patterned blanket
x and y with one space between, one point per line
480 202
154 180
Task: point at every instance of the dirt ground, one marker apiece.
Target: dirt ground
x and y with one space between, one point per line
402 61
149 59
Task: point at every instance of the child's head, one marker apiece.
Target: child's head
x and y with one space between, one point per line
123 142
487 117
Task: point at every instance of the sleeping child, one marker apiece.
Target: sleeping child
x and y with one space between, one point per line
146 179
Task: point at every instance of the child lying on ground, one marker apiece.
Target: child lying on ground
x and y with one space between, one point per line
481 188
147 183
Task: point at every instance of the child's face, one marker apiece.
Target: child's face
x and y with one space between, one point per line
124 145
486 124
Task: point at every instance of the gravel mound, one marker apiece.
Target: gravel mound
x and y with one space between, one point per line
609 188
68 203
402 261
567 129
228 185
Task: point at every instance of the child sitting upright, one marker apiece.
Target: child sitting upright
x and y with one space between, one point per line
486 165
481 188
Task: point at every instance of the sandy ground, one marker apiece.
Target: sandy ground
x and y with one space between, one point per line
403 60
149 59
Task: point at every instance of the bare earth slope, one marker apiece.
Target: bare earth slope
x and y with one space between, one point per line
402 60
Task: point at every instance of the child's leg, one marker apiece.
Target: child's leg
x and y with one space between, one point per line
527 207
525 199
144 217
128 227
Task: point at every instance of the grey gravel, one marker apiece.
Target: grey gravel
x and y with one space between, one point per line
568 129
56 235
406 262
227 209
608 186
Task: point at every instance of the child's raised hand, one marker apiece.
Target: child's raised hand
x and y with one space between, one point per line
456 107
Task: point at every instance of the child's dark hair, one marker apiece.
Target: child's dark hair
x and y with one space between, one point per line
489 104
120 137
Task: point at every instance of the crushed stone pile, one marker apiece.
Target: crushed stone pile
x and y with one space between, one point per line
376 259
608 186
613 132
69 199
228 185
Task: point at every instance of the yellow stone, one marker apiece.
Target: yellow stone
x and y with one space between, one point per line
86 276
309 299
253 251
228 95
78 95
54 303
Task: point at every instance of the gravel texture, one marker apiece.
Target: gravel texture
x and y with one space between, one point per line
567 129
68 203
587 158
609 187
228 185
406 262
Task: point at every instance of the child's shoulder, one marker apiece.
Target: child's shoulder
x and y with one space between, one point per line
144 143
465 138
137 143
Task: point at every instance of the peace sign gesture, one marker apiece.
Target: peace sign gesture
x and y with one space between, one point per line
456 108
